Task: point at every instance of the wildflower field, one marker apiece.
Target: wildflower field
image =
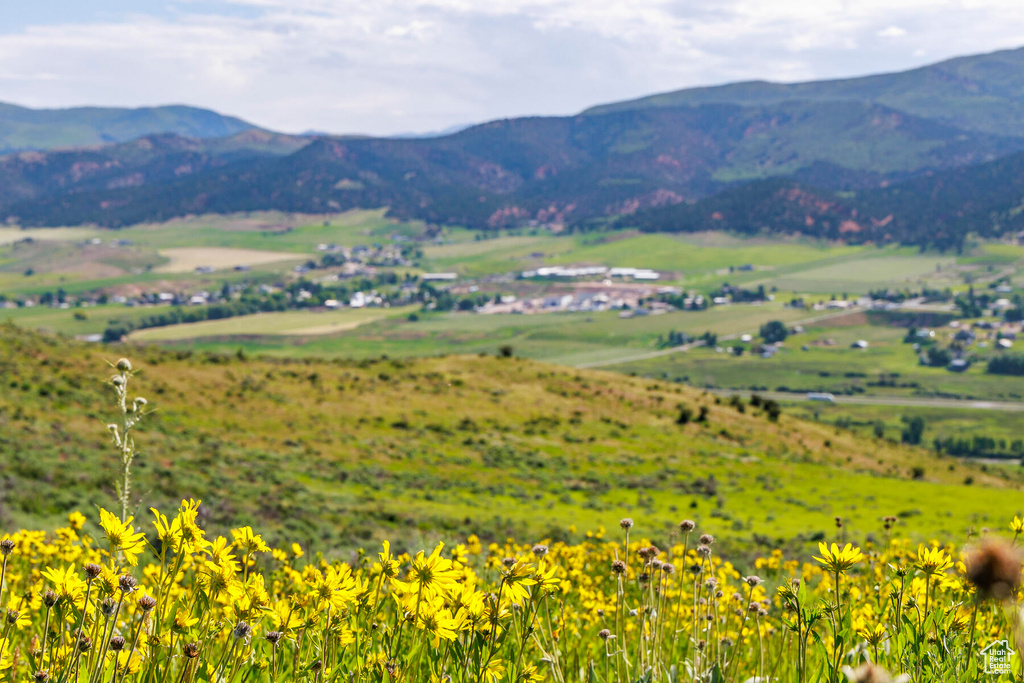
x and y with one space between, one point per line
124 594
175 605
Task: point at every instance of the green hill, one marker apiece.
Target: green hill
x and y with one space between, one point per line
876 154
978 92
506 173
338 453
22 128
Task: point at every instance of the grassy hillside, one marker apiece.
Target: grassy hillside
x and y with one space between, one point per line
22 128
339 453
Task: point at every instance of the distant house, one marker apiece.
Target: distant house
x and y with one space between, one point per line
859 344
959 365
440 277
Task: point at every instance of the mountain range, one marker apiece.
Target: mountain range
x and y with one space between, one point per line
922 157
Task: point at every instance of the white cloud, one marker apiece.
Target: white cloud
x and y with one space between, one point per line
892 32
403 65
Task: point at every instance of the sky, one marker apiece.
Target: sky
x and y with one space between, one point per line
387 67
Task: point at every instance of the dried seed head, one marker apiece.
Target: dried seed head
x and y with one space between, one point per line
127 583
994 568
656 563
12 616
124 365
626 523
117 643
242 631
6 547
147 603
191 650
687 525
604 634
753 581
643 577
273 637
618 567
839 522
868 673
84 644
41 676
49 598
108 606
706 539
668 568
92 571
540 550
704 550
509 561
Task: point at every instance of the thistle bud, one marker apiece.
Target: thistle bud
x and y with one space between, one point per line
124 365
191 650
273 637
626 523
241 631
117 643
127 583
6 547
108 606
687 525
147 603
49 598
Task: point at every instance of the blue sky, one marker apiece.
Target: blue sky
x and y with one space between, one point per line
394 66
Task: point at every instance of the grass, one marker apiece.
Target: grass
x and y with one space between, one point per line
346 451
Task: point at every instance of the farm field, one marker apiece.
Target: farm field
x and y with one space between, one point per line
828 363
564 338
299 323
187 259
346 452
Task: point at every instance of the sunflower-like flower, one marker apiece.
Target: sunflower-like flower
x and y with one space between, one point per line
122 536
389 566
249 542
1017 525
839 560
433 573
932 561
69 584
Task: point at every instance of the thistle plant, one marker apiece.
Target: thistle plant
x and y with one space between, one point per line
121 434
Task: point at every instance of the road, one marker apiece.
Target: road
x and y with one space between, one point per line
906 401
724 337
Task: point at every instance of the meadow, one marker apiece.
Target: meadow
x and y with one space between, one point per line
346 451
670 593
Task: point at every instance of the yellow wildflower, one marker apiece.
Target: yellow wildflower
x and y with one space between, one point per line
839 560
122 537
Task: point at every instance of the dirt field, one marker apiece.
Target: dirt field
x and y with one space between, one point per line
187 259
